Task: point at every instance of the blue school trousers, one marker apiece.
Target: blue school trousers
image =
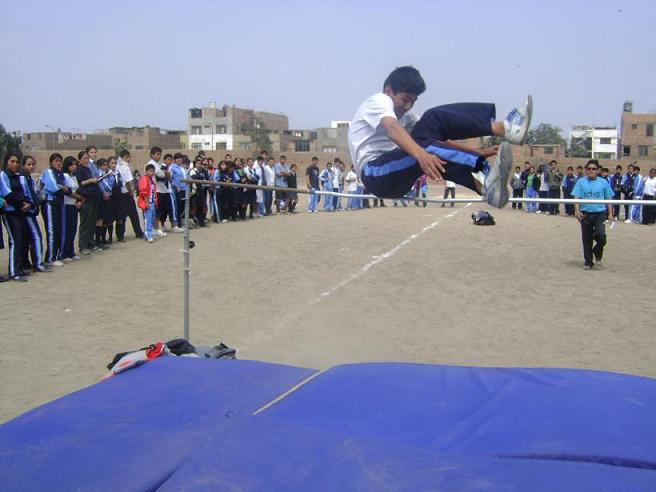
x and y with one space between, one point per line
392 174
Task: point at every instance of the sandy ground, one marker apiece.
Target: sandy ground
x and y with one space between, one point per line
396 284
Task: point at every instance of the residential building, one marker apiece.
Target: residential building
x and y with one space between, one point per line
637 134
145 137
58 140
600 142
213 128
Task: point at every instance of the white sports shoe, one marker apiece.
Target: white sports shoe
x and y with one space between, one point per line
496 181
159 232
178 229
518 122
150 240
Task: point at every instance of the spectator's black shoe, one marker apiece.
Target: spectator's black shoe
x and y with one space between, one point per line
139 236
23 273
18 278
3 279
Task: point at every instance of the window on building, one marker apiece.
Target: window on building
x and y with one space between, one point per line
196 146
196 113
548 150
329 148
343 125
604 141
634 127
643 150
626 150
221 146
139 147
650 130
196 130
298 134
313 135
245 146
604 155
220 129
302 146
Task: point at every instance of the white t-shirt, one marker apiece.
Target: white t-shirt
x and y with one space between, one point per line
352 181
162 186
126 175
367 138
337 176
650 187
71 182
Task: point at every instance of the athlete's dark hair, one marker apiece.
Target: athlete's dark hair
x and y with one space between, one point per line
155 150
81 154
124 153
177 155
150 166
405 79
167 156
54 156
102 162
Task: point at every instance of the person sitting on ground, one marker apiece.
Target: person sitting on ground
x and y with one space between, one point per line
391 148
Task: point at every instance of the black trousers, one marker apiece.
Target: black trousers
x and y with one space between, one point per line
517 194
543 207
649 213
69 230
52 216
616 208
569 208
627 212
448 190
268 201
133 214
88 214
593 231
554 209
14 223
166 209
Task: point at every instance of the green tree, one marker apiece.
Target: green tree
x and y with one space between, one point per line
545 134
259 135
119 145
8 143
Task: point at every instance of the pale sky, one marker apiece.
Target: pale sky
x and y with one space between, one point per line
85 65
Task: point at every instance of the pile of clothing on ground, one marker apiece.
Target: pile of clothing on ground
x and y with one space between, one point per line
177 347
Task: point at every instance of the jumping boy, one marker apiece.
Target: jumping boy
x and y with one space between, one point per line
391 147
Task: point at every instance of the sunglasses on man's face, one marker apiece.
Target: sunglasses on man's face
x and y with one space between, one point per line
591 168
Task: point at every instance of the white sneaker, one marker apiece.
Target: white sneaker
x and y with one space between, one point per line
518 122
76 257
55 263
67 260
159 232
178 229
628 221
164 228
496 181
150 240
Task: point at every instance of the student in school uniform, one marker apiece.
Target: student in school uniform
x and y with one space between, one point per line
72 204
53 185
128 192
33 256
116 201
223 194
105 206
147 200
178 188
92 195
12 189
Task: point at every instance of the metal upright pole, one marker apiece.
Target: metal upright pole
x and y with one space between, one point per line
187 268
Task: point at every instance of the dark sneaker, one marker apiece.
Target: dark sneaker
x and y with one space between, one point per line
496 181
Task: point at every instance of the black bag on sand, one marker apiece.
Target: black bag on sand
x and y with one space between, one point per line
482 218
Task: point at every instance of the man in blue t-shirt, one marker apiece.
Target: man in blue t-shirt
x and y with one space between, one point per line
593 215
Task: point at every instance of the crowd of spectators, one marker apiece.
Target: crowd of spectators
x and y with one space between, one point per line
547 181
93 198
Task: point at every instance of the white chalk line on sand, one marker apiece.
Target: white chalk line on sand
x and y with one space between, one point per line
378 259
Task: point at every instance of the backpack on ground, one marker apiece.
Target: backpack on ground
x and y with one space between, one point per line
482 218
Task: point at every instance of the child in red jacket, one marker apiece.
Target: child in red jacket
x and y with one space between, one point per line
147 200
